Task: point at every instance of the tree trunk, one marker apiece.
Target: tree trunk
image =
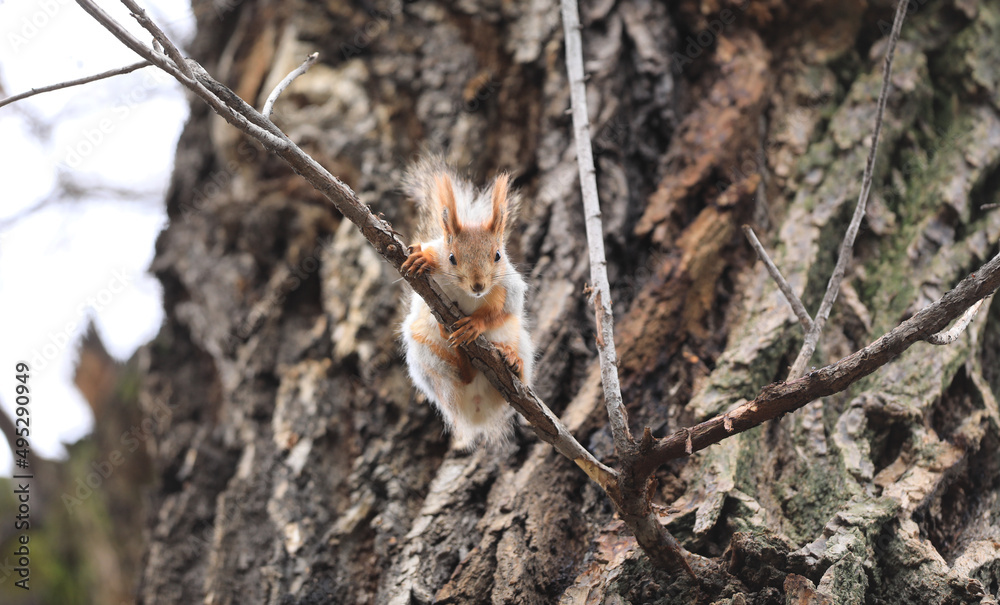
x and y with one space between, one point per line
300 466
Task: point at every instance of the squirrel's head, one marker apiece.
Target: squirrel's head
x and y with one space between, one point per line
475 253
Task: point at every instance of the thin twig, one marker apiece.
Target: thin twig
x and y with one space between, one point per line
786 289
595 230
847 246
778 399
280 88
946 338
107 74
171 49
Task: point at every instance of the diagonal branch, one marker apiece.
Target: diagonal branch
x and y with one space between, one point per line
106 74
250 122
847 246
778 399
783 285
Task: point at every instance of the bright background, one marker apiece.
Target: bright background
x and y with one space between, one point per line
73 254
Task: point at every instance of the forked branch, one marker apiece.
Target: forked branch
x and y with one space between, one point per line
778 399
631 498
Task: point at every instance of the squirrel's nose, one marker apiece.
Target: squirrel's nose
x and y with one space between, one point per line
478 287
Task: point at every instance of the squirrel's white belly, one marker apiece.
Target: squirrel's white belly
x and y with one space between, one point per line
475 410
482 410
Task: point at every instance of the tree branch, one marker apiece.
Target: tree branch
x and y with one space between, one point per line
280 88
107 74
259 128
171 49
786 289
847 246
595 230
778 399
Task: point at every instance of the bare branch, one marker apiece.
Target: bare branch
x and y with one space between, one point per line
946 338
778 399
171 49
482 353
107 74
250 121
631 497
280 88
786 289
595 230
126 38
847 246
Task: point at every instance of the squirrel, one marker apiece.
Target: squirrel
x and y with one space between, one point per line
463 234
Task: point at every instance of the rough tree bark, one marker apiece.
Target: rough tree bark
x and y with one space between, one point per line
299 466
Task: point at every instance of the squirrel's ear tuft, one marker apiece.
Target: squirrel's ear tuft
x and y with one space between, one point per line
498 220
449 213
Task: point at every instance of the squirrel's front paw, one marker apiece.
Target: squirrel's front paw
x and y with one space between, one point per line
513 360
467 329
419 261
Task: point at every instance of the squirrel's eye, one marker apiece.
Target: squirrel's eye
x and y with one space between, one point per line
496 259
451 257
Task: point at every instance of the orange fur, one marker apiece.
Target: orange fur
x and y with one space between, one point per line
512 358
421 260
498 220
442 352
449 211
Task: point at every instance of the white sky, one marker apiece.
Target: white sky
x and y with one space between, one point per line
82 258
